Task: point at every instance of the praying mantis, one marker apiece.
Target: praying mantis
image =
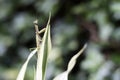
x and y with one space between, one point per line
38 38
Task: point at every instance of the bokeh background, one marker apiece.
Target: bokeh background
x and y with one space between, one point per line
73 23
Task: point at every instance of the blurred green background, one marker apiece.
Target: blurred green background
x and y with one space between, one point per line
73 23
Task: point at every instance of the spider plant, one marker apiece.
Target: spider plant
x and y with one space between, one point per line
43 48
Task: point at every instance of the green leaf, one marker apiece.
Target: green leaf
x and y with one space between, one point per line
43 54
23 69
72 62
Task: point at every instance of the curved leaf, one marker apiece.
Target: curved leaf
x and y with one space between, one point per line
72 62
23 69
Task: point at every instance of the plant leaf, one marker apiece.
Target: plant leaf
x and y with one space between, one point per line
43 54
23 69
71 64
